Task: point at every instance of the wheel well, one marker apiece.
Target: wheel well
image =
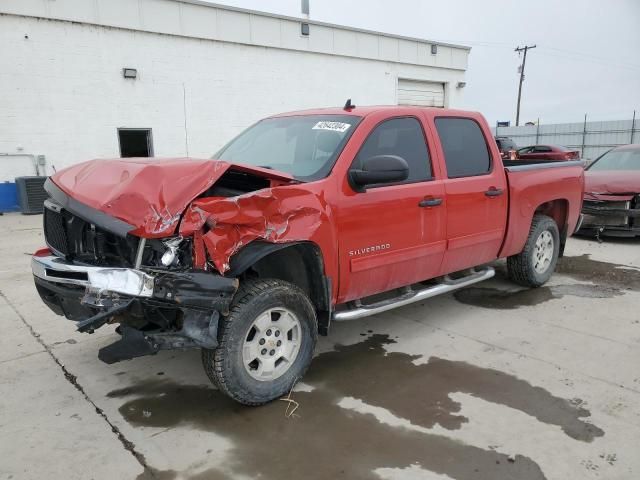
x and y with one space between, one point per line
558 210
299 263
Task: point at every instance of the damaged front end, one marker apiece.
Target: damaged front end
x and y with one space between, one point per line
154 262
611 214
156 310
95 272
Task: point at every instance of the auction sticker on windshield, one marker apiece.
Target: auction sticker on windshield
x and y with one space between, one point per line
334 126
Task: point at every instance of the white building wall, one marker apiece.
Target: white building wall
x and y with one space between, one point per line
62 93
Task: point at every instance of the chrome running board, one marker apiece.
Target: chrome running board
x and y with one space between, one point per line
447 284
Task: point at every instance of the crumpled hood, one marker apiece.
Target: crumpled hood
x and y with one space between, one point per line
606 184
148 193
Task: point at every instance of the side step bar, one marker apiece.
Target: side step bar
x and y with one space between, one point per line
448 284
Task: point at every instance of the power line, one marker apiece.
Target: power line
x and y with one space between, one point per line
553 52
574 53
524 61
587 59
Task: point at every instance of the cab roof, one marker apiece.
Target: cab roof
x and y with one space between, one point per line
358 111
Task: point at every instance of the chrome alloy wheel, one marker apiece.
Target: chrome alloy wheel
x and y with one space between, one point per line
271 344
543 252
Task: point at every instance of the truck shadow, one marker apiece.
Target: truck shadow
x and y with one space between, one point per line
328 438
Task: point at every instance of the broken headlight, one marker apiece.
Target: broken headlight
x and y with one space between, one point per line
168 253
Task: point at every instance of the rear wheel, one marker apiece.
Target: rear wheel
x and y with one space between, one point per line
535 264
266 342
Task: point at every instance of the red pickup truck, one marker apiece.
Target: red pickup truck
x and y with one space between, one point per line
305 218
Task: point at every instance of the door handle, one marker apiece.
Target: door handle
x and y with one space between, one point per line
493 192
430 202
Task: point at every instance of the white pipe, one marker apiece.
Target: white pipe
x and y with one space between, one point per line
32 157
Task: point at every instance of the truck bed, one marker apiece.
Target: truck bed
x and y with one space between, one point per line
540 182
520 165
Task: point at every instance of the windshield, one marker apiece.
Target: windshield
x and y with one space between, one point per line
305 146
617 160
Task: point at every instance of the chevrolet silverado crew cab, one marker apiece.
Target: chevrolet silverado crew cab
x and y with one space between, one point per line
304 219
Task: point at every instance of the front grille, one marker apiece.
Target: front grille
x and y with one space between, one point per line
609 213
78 239
55 232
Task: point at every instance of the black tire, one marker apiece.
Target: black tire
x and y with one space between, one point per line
521 267
224 365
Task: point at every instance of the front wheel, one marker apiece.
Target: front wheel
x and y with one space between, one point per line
536 263
266 342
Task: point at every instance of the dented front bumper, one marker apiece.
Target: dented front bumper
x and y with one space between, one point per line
125 281
155 310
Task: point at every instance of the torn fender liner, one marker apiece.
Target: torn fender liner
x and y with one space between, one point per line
200 329
278 214
148 193
132 344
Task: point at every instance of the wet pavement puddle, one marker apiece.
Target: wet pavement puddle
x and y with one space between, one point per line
508 300
585 269
607 280
328 440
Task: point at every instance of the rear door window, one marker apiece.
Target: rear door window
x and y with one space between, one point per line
465 150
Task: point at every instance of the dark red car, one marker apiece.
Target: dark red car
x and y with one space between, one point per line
612 193
548 152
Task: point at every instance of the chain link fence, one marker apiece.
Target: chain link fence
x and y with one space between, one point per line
592 139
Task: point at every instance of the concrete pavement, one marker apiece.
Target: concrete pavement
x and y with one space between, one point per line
489 383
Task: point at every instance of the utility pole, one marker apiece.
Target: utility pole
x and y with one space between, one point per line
524 60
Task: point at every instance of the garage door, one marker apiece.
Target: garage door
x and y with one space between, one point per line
416 92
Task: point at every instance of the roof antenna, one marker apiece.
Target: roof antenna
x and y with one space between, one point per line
349 106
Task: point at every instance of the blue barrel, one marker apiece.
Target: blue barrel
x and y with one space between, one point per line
8 197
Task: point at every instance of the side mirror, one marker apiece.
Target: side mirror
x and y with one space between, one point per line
379 169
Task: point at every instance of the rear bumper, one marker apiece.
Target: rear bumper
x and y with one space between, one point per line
156 310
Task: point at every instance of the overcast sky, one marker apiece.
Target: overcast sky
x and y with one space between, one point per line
587 58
